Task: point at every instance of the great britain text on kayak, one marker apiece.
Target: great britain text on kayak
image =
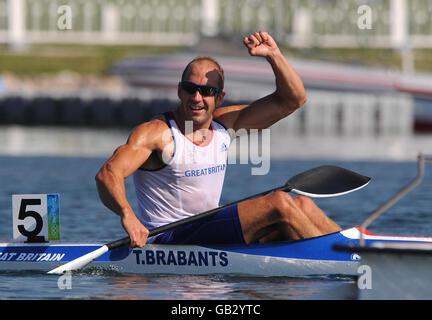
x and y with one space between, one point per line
30 256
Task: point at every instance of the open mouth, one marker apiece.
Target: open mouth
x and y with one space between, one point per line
197 108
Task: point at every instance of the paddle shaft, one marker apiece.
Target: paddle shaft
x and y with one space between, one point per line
197 217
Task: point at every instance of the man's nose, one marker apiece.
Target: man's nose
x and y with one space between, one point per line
197 95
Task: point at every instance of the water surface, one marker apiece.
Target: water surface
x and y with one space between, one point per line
83 216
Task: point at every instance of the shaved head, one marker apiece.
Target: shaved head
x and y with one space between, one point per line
205 60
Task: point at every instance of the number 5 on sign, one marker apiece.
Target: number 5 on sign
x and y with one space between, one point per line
36 217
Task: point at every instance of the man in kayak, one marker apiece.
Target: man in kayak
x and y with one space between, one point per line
178 162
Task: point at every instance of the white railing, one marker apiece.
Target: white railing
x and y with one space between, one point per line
297 23
127 22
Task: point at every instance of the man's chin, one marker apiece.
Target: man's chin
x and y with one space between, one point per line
200 120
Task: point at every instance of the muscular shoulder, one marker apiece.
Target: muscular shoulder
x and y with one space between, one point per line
151 135
228 116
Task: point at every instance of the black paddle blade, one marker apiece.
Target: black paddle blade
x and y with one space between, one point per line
327 181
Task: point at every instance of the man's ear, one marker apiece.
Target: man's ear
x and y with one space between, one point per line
178 91
219 98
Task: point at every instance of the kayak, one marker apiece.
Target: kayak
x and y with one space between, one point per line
313 257
308 257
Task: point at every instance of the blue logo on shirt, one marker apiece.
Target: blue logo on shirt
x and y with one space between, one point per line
223 147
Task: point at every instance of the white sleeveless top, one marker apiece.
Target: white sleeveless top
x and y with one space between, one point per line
190 183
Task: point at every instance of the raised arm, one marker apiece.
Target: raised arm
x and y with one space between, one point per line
126 160
288 96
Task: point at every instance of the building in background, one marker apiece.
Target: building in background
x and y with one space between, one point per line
348 99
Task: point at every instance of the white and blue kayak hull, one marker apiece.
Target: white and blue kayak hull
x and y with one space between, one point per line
303 258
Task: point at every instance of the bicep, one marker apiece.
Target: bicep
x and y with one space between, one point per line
127 159
260 114
131 156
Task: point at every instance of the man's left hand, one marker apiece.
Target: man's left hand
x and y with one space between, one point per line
260 44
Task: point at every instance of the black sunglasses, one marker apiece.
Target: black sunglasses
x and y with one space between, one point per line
191 87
